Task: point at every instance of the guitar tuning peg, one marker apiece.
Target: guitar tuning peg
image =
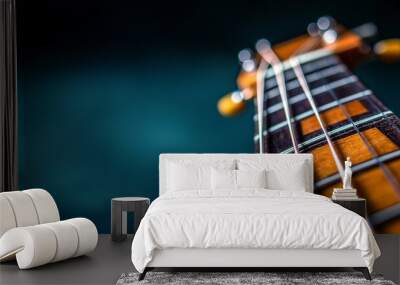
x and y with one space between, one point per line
247 60
388 50
325 23
312 29
245 54
330 36
235 102
325 27
262 44
231 104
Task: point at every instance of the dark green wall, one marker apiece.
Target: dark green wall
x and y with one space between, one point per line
104 89
93 130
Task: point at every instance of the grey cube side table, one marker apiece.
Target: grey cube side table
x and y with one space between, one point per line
119 208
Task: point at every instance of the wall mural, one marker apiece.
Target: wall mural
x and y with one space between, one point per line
307 100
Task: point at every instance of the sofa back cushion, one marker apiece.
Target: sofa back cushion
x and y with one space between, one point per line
26 208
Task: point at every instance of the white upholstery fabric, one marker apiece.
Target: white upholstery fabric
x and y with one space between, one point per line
26 208
31 232
185 174
227 179
87 234
66 236
223 179
32 246
7 219
251 178
182 177
23 208
45 205
286 174
41 244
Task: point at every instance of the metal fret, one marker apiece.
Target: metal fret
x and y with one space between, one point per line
312 77
317 91
341 129
358 167
354 117
335 131
391 178
311 62
320 109
384 215
346 99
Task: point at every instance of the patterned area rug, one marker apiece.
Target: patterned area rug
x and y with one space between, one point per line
269 278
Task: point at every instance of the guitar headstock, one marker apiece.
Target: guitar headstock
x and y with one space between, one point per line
325 34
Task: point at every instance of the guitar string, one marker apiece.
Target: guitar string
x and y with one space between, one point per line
312 77
316 91
269 56
307 45
261 72
303 83
385 169
314 69
387 172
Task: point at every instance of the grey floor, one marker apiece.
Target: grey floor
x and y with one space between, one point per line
103 266
111 259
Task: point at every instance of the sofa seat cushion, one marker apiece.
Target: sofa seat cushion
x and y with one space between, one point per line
45 243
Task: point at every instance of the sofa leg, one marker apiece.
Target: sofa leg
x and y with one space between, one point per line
364 271
143 274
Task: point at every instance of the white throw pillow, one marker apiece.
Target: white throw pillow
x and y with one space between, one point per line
292 179
237 179
251 178
193 175
223 179
282 175
187 177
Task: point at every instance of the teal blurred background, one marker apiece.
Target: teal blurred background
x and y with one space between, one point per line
105 87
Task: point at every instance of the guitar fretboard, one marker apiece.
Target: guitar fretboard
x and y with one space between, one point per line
332 85
358 123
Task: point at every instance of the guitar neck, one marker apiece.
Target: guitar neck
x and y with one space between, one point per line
360 126
333 87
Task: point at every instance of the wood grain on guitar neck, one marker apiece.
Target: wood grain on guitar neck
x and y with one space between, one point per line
356 123
373 185
354 147
332 117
